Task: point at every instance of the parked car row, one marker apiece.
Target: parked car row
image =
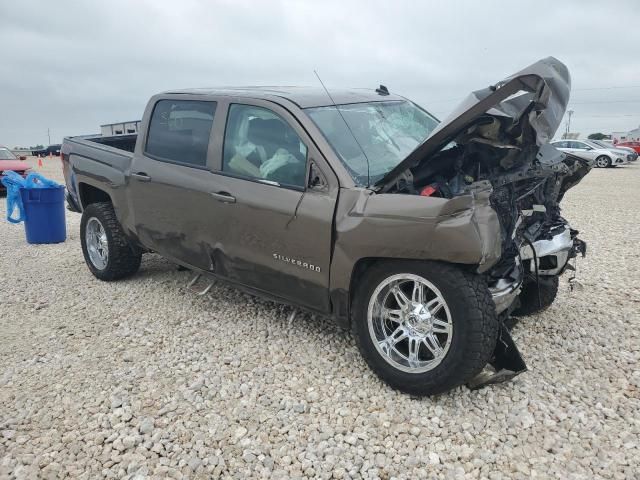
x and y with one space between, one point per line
599 153
50 150
634 145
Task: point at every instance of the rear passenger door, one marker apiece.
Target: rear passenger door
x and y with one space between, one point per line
170 181
278 226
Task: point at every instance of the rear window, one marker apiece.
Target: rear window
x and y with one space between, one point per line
179 131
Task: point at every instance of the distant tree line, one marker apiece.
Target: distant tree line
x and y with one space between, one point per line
598 136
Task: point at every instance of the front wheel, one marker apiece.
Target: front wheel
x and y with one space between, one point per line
424 327
107 251
603 161
537 296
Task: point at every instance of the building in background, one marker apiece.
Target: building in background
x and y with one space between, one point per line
631 135
122 128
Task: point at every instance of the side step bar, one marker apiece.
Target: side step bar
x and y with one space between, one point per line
191 286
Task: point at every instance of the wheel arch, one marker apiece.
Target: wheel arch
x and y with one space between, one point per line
343 300
91 194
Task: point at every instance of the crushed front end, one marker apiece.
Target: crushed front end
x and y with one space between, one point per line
499 137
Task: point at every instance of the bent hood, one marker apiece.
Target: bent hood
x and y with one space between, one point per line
531 102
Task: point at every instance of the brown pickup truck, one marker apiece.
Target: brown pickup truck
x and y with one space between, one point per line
424 237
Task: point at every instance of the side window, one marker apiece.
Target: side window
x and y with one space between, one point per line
260 144
179 131
578 145
561 145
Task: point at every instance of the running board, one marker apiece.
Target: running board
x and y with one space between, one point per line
191 286
505 364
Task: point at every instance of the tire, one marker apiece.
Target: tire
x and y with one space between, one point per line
469 311
122 258
529 296
603 161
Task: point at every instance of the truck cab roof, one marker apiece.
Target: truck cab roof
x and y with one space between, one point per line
303 97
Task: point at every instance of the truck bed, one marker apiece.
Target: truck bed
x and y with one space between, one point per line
107 158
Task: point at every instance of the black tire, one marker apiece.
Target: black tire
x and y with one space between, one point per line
528 297
473 316
603 157
123 258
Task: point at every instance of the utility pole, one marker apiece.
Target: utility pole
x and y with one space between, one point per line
570 112
49 135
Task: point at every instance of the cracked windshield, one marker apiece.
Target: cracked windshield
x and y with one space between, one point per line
386 132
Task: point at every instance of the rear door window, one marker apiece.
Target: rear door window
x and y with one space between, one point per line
261 145
179 131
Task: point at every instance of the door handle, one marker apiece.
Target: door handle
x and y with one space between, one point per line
224 197
141 176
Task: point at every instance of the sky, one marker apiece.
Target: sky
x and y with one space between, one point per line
69 66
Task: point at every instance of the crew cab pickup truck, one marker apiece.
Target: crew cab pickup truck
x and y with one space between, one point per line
422 236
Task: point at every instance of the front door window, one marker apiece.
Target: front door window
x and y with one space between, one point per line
261 145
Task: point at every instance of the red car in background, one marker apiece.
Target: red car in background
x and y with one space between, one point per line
8 161
630 144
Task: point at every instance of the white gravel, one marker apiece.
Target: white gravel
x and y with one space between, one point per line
142 379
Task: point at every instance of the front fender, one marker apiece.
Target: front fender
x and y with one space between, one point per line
463 230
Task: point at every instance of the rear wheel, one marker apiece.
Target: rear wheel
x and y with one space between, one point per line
603 161
424 327
107 251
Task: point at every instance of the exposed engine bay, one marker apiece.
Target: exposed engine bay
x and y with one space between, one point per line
527 187
498 139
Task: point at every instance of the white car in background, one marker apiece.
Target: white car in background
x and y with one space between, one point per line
602 157
611 146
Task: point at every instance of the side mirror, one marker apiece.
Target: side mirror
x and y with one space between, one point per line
588 148
316 178
22 157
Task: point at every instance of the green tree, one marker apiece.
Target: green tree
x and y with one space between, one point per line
598 136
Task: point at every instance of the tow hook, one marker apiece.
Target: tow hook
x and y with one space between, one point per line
505 364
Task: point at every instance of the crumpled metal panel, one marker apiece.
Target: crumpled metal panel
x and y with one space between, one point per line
463 230
539 92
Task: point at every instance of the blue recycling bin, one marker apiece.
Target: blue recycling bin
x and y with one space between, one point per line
44 214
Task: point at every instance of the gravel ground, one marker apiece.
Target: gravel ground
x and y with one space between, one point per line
143 379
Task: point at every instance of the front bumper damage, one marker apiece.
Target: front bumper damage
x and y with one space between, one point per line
505 364
552 258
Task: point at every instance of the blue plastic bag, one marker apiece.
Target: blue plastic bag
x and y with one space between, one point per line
14 182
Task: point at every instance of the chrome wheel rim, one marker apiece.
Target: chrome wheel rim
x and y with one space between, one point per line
97 243
410 323
602 162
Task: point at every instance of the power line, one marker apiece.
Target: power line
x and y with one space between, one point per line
458 99
602 88
585 115
606 101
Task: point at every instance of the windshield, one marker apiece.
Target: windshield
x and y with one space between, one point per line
386 132
601 144
5 154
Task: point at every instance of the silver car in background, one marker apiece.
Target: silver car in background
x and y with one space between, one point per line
601 157
611 146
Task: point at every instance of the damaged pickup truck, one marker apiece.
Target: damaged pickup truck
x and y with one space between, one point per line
422 236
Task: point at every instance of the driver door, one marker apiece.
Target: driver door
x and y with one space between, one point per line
278 229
